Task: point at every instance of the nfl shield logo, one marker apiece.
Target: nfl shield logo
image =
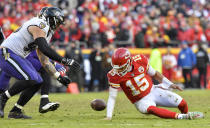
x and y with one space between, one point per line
141 69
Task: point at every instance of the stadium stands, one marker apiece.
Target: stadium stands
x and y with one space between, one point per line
132 23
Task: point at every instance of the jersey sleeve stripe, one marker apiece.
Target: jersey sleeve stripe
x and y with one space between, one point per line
114 85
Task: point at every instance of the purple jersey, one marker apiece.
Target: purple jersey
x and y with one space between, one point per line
34 60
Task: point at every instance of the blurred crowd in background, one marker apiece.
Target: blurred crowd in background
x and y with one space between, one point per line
107 24
139 23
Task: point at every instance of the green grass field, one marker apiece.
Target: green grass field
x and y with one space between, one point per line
75 112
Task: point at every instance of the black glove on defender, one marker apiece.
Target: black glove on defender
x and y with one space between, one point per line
74 65
65 80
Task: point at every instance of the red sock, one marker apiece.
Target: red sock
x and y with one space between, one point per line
161 112
183 106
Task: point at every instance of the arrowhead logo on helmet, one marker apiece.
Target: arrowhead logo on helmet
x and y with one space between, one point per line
127 55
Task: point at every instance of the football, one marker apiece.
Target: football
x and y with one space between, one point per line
98 104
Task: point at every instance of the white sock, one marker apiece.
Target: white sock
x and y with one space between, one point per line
182 116
19 106
44 96
7 94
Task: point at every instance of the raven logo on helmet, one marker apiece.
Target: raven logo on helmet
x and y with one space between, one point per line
54 17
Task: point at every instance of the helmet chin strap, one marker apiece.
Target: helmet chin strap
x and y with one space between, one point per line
44 18
54 21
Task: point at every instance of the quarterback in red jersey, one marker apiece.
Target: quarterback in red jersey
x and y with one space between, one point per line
133 74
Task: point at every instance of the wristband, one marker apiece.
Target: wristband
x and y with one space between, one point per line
167 82
63 61
56 75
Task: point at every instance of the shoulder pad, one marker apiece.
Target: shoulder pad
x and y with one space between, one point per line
41 24
112 79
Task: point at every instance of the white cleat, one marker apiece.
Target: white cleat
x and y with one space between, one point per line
195 115
49 107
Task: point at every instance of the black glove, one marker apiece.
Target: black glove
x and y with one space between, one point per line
65 80
74 65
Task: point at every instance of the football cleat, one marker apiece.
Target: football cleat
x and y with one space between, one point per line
49 107
195 115
18 115
2 105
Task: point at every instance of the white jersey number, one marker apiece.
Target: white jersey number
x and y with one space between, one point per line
142 84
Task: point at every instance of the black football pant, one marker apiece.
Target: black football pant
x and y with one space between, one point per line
45 88
27 94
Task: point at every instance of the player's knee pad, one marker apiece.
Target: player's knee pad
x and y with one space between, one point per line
143 106
143 110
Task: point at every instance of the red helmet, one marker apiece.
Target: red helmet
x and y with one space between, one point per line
121 61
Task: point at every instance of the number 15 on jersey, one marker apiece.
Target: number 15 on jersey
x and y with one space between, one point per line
140 85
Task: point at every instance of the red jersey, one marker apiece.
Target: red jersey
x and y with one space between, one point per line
137 83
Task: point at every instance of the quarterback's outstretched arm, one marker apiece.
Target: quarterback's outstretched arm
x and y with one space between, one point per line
111 102
160 78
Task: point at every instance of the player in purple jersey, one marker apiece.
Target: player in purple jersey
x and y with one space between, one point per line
2 76
34 34
45 104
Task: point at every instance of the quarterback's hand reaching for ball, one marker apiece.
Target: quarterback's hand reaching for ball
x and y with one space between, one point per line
74 65
167 87
174 86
